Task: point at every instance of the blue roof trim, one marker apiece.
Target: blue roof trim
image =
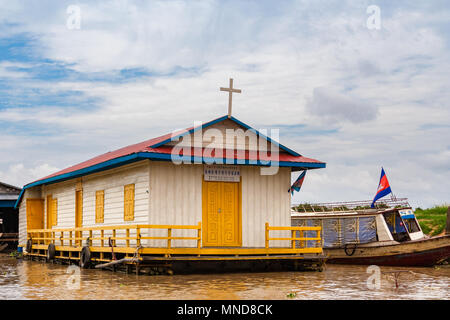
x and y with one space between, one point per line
292 152
19 198
117 162
110 164
192 159
7 203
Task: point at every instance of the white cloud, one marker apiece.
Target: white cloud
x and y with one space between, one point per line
8 70
17 173
298 62
336 107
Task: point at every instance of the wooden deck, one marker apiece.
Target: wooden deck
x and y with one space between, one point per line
128 243
8 241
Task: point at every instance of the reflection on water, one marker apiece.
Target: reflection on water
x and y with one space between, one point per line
39 280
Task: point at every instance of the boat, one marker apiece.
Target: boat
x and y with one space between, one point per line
387 235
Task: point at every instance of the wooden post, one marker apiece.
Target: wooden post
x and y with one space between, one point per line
199 235
128 238
293 241
302 244
267 235
138 237
113 237
319 242
70 237
102 235
447 229
62 238
169 235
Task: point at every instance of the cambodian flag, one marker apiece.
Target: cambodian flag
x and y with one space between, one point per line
383 188
298 183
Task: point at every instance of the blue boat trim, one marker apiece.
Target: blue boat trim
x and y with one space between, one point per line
7 203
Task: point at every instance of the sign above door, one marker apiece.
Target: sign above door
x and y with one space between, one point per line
222 173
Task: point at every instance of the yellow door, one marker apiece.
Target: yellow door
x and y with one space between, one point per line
230 222
78 213
211 207
221 214
35 214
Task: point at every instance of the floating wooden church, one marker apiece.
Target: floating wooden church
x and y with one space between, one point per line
192 195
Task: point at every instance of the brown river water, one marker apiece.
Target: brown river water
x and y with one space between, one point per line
21 279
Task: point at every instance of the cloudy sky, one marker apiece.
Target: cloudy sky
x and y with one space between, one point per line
339 89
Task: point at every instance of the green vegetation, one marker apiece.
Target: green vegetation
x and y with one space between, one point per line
306 207
362 207
432 220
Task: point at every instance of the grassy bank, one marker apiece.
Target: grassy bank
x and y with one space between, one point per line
432 220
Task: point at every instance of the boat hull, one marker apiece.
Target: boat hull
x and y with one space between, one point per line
419 253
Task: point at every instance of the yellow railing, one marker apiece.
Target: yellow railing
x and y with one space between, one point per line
128 238
301 238
75 236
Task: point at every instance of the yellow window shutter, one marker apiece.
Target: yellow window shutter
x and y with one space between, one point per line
54 212
49 208
99 206
128 202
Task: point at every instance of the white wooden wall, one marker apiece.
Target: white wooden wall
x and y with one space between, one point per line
166 193
265 198
112 182
176 198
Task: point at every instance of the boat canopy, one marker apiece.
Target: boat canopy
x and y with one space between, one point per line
346 227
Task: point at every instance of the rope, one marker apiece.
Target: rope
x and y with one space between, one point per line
353 251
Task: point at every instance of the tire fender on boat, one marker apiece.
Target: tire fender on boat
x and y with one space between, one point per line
29 245
51 251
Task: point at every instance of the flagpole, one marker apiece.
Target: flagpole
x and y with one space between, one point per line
393 197
384 188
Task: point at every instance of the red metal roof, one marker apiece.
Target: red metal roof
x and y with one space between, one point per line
145 147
